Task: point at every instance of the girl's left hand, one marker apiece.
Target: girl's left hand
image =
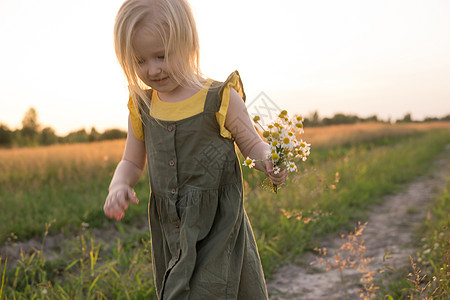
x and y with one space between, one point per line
278 178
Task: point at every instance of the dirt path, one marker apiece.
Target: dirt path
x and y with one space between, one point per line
390 226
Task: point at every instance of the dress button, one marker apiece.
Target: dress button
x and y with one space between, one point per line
176 224
170 127
173 191
171 163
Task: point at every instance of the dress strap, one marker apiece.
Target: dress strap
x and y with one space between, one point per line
213 97
144 110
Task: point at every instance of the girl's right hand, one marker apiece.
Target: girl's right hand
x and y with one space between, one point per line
116 201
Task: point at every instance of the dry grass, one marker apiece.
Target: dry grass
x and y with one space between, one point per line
31 166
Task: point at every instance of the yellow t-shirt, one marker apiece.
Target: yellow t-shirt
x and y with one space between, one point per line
174 111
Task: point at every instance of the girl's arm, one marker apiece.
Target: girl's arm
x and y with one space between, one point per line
127 174
250 144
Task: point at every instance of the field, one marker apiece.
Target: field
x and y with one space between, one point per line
51 206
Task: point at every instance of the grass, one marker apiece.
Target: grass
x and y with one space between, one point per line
63 182
102 259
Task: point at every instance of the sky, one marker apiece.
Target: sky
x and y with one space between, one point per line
361 57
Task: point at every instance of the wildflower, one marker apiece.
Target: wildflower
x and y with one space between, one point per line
256 119
291 166
276 169
249 162
304 145
266 134
275 157
287 143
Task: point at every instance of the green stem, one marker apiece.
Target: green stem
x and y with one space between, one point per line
275 188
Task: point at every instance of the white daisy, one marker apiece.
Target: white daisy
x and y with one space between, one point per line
249 162
276 169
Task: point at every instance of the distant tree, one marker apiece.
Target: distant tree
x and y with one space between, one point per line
48 136
406 119
315 120
30 124
446 118
5 135
373 118
340 119
312 120
30 128
79 136
94 135
113 134
430 119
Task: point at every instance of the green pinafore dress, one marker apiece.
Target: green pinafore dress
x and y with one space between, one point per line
202 243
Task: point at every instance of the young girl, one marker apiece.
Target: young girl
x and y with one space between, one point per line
186 126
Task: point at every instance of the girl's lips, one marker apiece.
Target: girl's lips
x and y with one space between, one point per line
160 80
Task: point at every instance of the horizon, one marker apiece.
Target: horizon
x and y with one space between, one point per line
356 58
88 130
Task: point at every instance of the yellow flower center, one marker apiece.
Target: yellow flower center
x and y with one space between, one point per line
286 140
275 156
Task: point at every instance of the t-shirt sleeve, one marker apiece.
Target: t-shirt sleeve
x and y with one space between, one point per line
233 81
136 123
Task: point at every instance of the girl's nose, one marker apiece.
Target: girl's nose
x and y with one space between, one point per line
154 68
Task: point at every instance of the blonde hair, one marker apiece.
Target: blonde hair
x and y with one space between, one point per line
173 20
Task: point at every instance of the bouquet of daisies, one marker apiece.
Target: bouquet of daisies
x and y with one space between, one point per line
281 135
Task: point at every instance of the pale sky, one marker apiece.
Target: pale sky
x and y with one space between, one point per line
359 57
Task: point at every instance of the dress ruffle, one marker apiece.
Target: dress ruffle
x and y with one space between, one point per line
136 123
233 81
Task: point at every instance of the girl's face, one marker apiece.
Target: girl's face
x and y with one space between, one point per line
150 64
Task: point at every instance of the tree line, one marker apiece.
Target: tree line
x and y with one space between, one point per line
314 120
33 133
